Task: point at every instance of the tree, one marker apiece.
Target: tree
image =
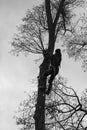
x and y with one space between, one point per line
65 110
38 35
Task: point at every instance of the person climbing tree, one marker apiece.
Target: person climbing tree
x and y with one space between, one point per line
53 70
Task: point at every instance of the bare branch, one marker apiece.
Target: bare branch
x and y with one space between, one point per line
48 14
58 13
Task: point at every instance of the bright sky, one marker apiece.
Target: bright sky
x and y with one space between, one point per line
16 73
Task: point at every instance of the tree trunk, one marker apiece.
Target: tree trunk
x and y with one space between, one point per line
40 106
40 111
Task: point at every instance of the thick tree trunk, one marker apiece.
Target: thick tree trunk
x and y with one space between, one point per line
40 111
40 106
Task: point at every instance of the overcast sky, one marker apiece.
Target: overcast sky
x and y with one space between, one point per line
16 73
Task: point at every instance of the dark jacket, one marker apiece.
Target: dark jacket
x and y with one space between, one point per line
56 60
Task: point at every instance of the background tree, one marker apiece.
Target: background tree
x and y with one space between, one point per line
64 109
38 34
76 42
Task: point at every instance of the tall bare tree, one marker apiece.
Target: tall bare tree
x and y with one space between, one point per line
38 35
